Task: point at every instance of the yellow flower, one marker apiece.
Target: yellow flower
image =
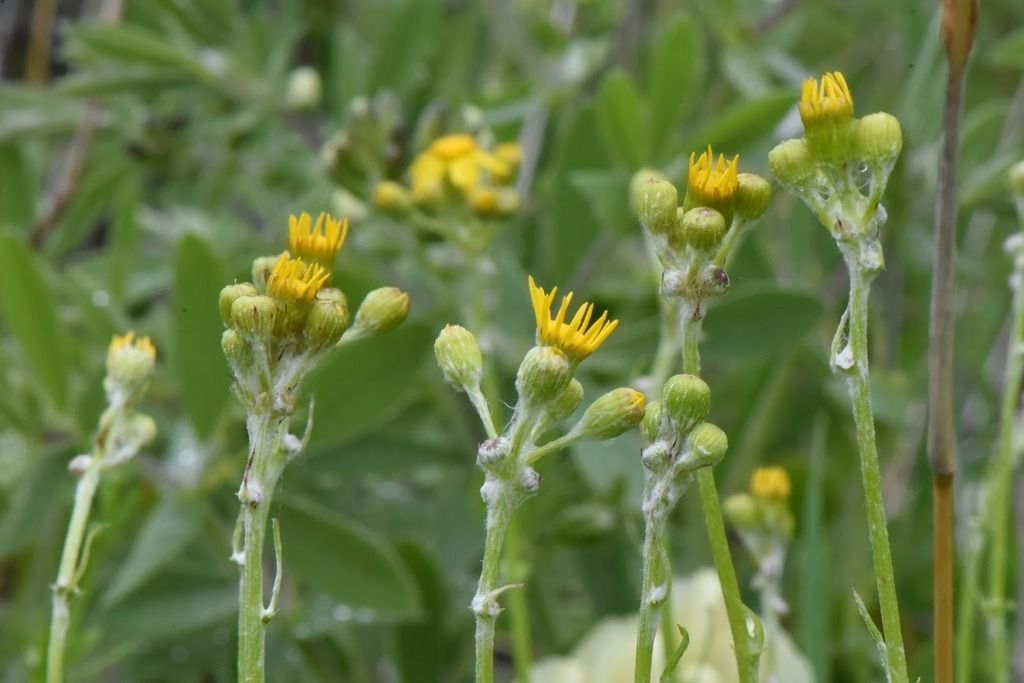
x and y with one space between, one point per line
577 338
293 281
827 101
124 341
711 184
317 242
770 482
456 159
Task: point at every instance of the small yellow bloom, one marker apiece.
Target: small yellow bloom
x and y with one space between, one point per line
123 341
293 281
711 184
317 242
510 153
484 201
577 338
827 100
456 159
770 482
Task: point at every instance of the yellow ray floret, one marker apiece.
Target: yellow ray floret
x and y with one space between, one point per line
827 100
709 182
457 159
294 281
770 482
123 341
318 241
577 338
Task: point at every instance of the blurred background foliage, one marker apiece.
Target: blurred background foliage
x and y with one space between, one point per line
151 157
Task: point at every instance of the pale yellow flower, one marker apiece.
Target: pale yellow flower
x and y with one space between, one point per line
770 482
126 341
457 160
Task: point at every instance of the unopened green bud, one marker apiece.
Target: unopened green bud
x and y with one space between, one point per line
879 137
382 310
228 296
458 356
612 414
741 511
654 201
236 349
687 398
130 363
327 318
701 228
753 193
262 267
791 162
651 424
1015 178
392 197
708 444
254 316
543 374
567 401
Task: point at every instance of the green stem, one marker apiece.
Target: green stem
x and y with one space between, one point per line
668 344
485 604
518 614
745 648
65 586
257 490
860 396
1000 482
655 586
969 588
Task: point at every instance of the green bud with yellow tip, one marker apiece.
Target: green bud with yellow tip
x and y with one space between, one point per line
459 358
382 310
612 414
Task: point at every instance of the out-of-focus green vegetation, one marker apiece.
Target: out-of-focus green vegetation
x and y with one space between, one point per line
197 138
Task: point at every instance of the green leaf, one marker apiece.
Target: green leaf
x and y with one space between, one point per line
29 504
744 123
365 384
673 76
134 46
1008 52
29 312
421 645
168 612
345 560
622 118
17 191
197 330
608 194
170 527
760 320
402 48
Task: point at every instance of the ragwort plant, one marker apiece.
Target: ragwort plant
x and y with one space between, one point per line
279 327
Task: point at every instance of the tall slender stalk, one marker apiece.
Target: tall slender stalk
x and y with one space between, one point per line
484 607
859 386
656 577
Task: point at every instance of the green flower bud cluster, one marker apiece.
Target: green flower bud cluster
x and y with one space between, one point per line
680 439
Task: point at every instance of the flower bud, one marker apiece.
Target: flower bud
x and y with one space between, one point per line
543 374
508 201
879 137
391 196
1015 178
262 267
613 414
708 444
327 319
130 363
484 201
687 398
458 356
741 511
770 482
304 88
254 316
651 424
228 296
510 153
753 193
701 228
791 162
654 201
382 310
493 452
236 349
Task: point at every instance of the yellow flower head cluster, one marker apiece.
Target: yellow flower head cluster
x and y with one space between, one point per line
828 100
770 482
124 341
577 338
459 161
319 241
293 281
709 183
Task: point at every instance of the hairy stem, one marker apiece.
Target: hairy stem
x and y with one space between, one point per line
859 386
485 604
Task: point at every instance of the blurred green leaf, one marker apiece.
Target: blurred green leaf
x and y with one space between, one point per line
422 645
29 504
672 78
401 50
744 123
170 527
197 330
608 194
17 191
364 384
623 120
135 46
1008 52
347 561
760 320
29 312
163 612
